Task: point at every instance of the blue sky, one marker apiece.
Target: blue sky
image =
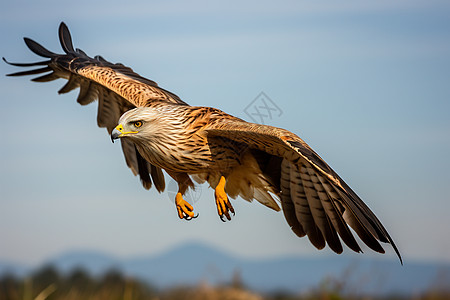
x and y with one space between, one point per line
366 84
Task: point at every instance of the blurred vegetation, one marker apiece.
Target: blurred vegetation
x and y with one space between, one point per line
49 284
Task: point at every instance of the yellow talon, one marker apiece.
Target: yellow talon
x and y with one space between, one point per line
185 210
224 206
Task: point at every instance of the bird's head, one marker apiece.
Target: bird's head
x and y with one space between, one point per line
138 123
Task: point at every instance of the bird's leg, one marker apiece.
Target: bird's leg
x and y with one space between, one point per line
184 209
224 206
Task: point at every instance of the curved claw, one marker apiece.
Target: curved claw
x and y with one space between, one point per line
225 217
184 209
188 218
223 204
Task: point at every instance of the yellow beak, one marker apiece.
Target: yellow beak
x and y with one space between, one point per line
118 132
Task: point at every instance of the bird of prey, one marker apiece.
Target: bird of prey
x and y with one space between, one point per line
158 131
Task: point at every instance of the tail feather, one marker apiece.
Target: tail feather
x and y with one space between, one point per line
263 197
248 181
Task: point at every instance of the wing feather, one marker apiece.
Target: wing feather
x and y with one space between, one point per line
303 208
144 172
65 39
286 202
71 84
31 72
322 216
354 219
46 78
117 87
38 49
130 154
157 177
331 205
39 63
88 93
324 204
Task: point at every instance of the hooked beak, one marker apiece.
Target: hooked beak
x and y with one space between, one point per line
118 132
115 134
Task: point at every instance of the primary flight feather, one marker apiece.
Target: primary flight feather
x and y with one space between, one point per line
158 131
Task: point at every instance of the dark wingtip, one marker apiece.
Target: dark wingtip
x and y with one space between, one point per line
39 63
31 72
81 51
38 49
391 241
65 38
397 252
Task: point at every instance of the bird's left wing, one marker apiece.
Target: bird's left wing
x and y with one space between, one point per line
315 200
117 87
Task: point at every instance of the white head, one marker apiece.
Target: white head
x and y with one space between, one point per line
145 124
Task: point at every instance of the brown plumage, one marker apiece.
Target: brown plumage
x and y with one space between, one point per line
160 131
116 87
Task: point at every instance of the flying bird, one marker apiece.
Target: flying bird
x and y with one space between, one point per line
159 131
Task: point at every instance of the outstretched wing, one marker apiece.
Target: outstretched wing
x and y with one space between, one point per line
316 202
117 87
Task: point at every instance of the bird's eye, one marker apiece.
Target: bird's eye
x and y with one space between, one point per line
137 124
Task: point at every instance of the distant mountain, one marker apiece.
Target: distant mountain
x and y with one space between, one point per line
194 263
13 268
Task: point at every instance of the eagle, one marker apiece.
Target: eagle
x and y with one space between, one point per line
159 131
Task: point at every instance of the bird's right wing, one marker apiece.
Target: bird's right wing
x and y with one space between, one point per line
117 87
315 200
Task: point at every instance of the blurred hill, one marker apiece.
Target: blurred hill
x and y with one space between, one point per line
195 263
